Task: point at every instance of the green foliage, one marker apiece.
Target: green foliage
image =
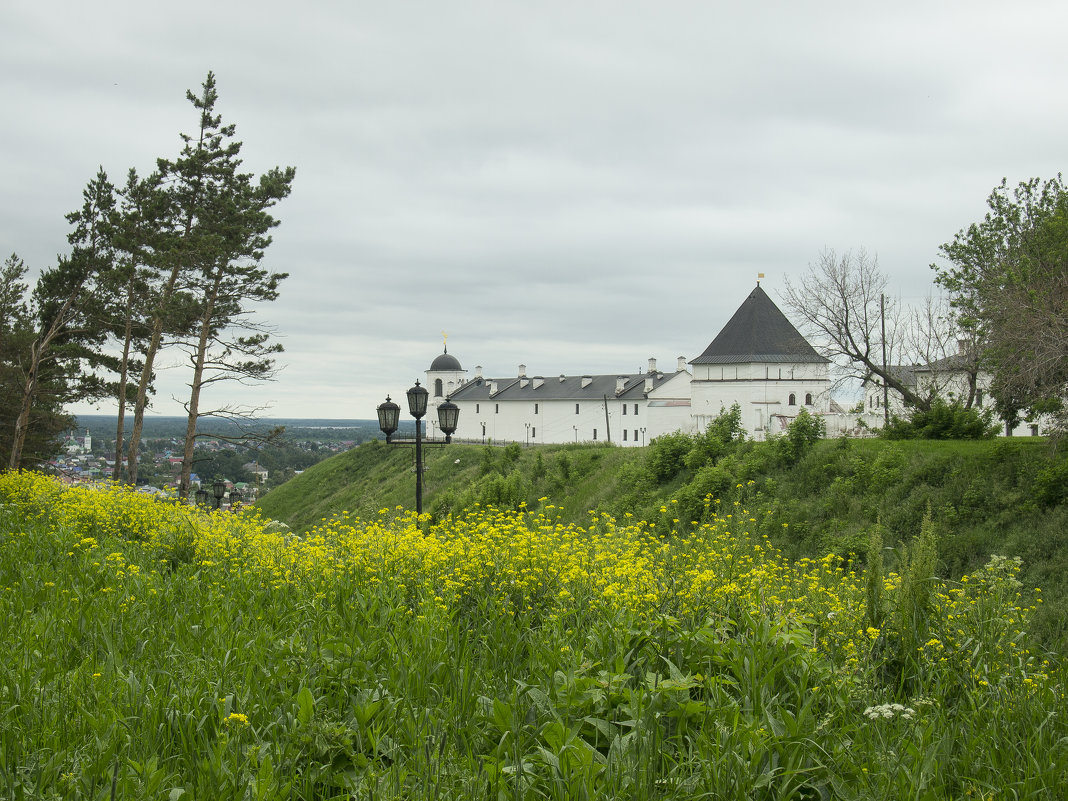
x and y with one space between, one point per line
667 455
914 598
709 483
717 439
986 496
207 681
487 461
503 492
539 470
52 339
873 577
1006 274
943 421
1051 482
804 432
511 453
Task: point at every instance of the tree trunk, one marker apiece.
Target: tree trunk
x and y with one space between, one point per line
37 352
116 473
22 422
193 407
142 399
146 374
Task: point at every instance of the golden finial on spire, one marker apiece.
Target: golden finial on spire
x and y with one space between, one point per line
445 339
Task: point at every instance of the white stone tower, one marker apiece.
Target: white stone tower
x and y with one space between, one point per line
442 379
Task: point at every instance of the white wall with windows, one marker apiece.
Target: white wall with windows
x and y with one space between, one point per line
768 394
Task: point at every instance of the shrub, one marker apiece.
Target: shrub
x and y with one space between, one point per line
487 462
804 432
1051 484
666 454
711 480
943 421
717 439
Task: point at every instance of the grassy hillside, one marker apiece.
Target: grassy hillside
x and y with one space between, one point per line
374 475
162 651
1005 496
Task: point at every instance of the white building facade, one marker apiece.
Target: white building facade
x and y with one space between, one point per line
946 378
758 360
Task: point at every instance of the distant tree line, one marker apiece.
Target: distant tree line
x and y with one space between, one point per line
1005 312
172 261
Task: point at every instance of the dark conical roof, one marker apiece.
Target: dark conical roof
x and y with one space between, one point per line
758 332
446 361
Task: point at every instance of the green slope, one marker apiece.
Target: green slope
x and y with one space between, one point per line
1005 496
374 476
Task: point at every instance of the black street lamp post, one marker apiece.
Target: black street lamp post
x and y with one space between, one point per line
389 419
219 488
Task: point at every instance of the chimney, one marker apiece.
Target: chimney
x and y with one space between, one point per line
621 382
523 381
562 378
538 381
648 383
682 363
493 387
586 380
522 371
652 365
478 371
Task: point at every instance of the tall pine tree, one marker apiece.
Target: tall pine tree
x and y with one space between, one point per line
216 222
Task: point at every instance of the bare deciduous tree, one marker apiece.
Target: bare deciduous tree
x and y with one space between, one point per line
841 305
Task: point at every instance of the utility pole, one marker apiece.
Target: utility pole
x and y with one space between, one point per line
886 388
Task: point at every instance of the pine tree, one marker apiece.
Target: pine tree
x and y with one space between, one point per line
216 222
58 365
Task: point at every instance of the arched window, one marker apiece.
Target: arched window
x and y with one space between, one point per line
808 399
793 399
437 387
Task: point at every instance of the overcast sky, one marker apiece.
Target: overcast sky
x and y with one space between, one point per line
573 186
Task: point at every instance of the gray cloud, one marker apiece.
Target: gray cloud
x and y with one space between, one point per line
575 187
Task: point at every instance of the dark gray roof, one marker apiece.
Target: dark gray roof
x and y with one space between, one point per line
957 362
446 361
568 387
758 332
905 373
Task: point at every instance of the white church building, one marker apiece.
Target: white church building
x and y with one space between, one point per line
758 360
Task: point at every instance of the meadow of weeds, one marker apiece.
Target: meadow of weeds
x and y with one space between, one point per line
154 650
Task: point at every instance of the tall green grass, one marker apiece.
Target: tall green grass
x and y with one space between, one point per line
1004 496
131 672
